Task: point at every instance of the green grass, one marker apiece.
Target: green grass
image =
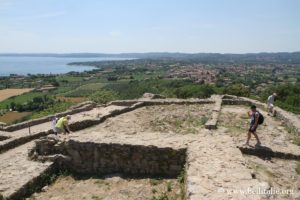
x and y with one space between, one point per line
59 107
69 78
95 197
154 182
85 90
169 186
182 181
21 99
298 168
296 141
163 196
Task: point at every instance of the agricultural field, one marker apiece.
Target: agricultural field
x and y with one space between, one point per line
11 117
7 93
20 99
130 79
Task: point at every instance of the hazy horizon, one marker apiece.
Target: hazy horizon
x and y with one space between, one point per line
158 52
116 26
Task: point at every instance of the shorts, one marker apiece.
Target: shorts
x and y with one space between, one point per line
252 130
58 130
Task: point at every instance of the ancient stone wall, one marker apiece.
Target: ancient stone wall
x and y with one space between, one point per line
108 158
93 158
13 142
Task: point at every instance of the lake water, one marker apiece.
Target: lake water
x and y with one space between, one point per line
43 65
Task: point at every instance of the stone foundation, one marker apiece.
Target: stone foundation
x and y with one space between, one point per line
104 158
3 138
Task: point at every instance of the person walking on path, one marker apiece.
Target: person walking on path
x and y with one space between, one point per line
254 122
270 103
62 125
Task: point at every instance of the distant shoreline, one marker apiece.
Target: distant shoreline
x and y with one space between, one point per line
264 57
11 66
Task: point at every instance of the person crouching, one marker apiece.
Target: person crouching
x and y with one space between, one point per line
62 125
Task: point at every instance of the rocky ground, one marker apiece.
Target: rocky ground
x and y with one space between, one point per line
216 169
109 188
273 134
182 119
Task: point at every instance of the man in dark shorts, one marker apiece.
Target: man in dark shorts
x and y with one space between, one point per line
254 115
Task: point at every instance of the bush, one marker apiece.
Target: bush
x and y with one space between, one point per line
237 90
288 96
103 96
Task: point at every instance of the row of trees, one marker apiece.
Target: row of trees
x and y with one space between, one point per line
37 104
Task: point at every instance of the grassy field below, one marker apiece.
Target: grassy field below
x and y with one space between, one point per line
7 93
11 117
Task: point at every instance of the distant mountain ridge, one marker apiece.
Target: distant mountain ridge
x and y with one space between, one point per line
280 57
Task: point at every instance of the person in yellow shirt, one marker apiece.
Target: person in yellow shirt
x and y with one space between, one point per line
62 125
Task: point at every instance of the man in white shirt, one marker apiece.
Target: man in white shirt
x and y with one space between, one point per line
270 103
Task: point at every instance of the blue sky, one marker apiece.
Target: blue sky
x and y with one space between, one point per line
118 26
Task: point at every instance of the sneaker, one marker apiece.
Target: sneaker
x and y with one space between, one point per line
246 144
258 144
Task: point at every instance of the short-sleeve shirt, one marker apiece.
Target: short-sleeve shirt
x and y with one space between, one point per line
253 118
271 99
61 122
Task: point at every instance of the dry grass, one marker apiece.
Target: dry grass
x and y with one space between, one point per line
6 93
10 117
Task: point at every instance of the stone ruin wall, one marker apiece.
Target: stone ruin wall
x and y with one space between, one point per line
100 158
109 158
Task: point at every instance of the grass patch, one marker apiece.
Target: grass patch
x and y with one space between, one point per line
95 197
85 90
21 99
296 141
182 181
298 168
154 182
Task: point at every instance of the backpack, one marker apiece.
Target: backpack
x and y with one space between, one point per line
260 118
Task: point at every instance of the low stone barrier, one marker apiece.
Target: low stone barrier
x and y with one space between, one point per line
75 126
14 142
290 120
212 123
154 102
123 102
86 106
35 184
108 158
3 138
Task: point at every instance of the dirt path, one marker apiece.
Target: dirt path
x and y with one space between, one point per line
279 174
16 170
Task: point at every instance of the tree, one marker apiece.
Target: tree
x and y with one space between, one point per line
103 96
238 90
